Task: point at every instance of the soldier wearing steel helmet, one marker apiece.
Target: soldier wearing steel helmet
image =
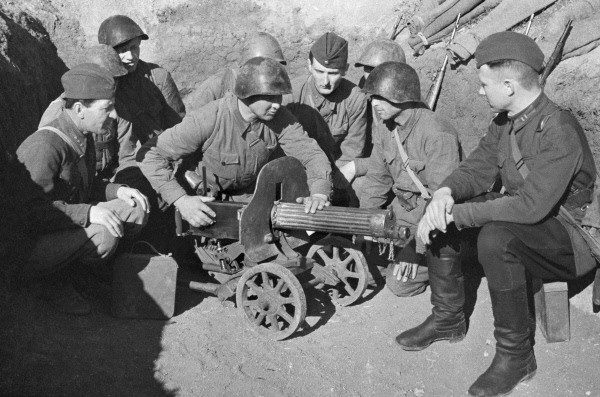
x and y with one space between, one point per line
234 137
147 102
376 53
430 144
257 44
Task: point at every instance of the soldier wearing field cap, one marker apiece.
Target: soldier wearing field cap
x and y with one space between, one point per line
543 159
107 145
333 110
61 158
232 138
256 44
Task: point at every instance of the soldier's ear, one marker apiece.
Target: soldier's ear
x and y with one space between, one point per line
309 64
78 108
509 86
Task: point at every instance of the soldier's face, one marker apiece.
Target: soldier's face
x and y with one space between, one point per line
385 109
98 116
326 79
129 52
265 107
497 90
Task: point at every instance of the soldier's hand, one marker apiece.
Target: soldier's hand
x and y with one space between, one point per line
107 218
348 171
424 230
314 202
131 195
193 210
404 271
436 214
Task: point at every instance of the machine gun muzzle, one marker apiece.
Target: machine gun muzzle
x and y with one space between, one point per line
379 224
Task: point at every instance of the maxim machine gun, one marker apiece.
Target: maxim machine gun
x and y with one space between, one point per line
260 251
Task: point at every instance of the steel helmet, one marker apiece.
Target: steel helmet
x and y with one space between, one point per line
118 29
381 51
397 82
262 76
261 44
106 56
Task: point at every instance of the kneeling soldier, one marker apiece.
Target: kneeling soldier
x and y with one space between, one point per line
414 149
235 137
61 159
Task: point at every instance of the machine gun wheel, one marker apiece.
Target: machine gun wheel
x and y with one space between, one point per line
339 258
272 299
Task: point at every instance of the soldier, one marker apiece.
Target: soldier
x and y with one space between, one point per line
234 138
544 161
107 146
376 53
414 150
333 110
259 44
61 159
147 102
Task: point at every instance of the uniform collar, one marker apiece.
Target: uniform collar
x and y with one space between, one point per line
405 122
232 104
522 118
68 127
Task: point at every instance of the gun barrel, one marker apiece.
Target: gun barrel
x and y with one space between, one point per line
355 221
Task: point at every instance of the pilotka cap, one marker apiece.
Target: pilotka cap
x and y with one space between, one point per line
510 45
331 51
88 81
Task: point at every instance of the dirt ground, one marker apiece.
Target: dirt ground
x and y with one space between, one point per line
208 349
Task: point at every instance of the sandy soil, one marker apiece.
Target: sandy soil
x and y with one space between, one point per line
207 349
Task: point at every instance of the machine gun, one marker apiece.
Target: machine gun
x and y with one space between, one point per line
260 251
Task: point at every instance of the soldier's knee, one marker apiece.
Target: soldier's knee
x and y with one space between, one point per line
103 244
411 287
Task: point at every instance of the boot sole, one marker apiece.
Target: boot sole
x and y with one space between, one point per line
419 348
525 379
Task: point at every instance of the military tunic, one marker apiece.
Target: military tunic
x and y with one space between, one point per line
343 117
559 160
431 143
55 166
232 149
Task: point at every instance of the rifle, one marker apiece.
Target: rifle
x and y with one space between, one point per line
529 24
434 90
395 31
556 56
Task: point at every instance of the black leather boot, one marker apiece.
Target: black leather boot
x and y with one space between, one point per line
514 361
447 321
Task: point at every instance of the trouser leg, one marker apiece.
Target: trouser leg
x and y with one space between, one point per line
508 252
446 280
89 245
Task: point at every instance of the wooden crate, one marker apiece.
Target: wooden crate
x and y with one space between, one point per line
552 310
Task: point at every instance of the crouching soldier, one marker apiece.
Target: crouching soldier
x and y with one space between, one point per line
414 150
234 137
61 159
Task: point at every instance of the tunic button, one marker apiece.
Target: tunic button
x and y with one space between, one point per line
222 163
472 224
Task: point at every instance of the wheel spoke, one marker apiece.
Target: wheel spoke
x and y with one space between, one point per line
347 261
250 303
348 288
257 290
274 323
336 254
324 256
266 283
288 301
279 286
258 320
349 274
285 315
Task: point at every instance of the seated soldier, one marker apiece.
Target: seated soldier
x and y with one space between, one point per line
333 110
61 159
414 150
234 137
